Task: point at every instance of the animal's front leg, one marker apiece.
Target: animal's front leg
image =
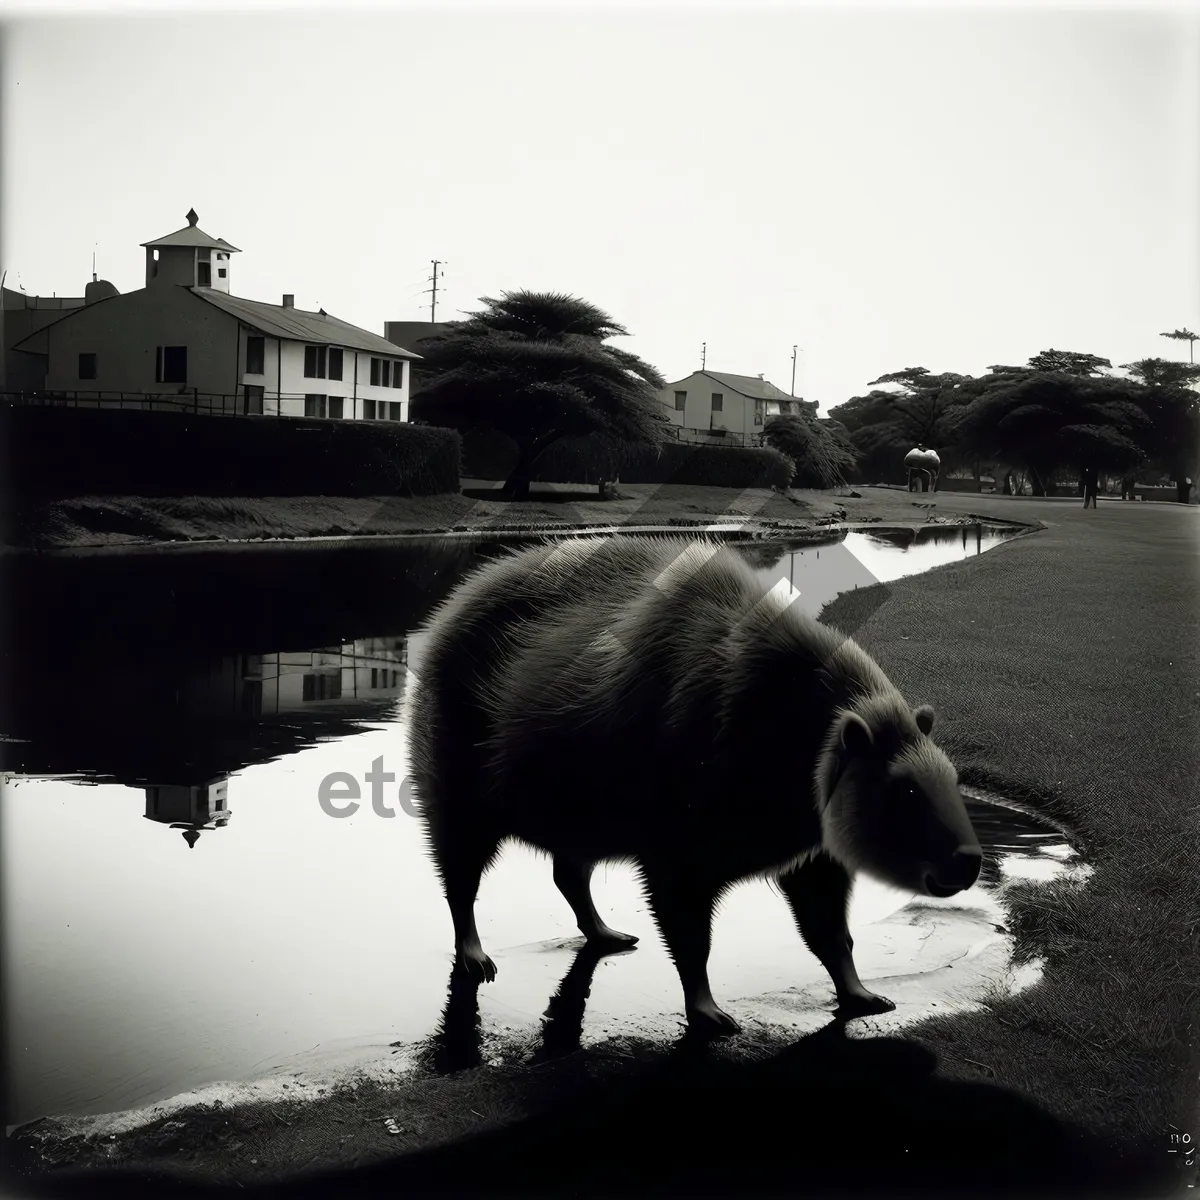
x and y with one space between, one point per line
818 892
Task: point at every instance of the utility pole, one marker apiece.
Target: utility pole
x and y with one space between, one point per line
703 354
794 349
433 301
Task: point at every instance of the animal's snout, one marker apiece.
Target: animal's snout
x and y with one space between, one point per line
957 874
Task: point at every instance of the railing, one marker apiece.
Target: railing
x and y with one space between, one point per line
271 404
701 437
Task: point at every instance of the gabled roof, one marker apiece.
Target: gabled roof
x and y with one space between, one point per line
749 385
299 325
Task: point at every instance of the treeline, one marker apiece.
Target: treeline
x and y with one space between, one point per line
1044 422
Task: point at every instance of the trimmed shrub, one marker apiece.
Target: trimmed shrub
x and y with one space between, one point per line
53 452
587 460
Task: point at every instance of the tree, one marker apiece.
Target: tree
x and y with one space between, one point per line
1168 399
822 453
1070 363
1184 335
1047 420
926 404
534 366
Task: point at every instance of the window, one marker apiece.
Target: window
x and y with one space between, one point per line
335 407
374 677
396 410
204 274
170 364
368 410
314 406
398 375
314 362
680 401
758 412
252 399
255 355
335 363
323 687
87 366
221 272
385 370
718 401
204 254
374 372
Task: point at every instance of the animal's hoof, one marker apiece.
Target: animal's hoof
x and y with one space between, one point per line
610 939
476 965
708 1021
865 1005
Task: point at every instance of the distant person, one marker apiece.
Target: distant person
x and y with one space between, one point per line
1091 487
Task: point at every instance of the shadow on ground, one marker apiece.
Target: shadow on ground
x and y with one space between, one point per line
829 1116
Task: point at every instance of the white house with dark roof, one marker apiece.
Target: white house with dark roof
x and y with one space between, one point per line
713 405
185 338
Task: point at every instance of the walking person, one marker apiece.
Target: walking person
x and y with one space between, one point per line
1091 486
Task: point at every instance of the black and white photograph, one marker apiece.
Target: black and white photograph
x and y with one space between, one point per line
599 599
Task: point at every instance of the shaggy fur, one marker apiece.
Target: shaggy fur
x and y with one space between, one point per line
643 699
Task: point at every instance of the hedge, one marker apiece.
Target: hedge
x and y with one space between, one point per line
587 460
57 452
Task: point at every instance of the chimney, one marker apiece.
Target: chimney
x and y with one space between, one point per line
289 301
760 374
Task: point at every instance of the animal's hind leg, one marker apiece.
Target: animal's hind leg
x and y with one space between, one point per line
683 908
573 878
818 892
462 856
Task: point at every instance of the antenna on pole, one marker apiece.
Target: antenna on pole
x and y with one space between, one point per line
94 263
703 354
794 349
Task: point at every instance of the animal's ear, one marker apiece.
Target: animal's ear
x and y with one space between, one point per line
924 718
855 734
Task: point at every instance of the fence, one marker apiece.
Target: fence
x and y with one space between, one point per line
703 437
217 404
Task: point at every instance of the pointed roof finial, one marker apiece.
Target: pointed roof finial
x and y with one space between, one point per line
191 217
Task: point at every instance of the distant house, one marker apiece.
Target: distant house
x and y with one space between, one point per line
410 335
716 406
185 337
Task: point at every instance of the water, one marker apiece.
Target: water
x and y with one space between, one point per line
178 907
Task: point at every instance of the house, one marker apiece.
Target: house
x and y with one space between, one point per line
22 316
410 335
186 341
713 405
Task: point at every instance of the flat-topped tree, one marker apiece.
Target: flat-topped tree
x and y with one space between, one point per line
1169 400
535 367
1049 419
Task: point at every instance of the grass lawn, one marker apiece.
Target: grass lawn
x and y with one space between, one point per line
1064 668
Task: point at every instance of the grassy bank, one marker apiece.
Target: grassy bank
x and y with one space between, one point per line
130 520
1065 670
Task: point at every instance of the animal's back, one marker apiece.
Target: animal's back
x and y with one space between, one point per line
542 658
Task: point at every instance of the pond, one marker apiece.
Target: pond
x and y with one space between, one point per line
180 910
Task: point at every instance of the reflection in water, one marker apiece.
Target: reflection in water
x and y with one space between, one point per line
337 927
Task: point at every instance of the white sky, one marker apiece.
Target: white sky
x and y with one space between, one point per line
941 187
